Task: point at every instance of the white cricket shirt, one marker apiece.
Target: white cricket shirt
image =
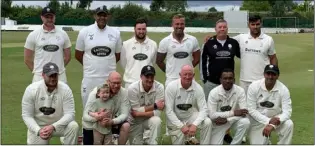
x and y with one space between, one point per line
99 46
48 47
37 96
178 54
219 97
176 95
254 55
139 98
279 96
135 55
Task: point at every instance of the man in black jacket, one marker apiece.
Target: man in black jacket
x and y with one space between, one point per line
218 53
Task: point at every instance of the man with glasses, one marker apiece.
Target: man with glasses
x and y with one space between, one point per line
47 44
119 123
48 109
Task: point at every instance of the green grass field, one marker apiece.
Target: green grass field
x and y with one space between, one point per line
294 51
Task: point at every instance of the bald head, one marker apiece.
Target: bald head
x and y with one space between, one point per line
114 75
187 68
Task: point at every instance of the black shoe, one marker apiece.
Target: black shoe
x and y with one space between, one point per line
228 138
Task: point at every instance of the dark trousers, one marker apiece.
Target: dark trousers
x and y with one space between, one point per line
88 137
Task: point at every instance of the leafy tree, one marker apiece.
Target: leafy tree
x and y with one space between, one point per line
212 9
176 6
157 5
6 7
255 6
54 4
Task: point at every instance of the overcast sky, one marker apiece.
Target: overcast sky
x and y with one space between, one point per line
192 5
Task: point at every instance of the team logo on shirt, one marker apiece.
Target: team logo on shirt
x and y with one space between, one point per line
230 46
252 50
91 36
140 56
267 104
184 107
223 53
51 48
225 108
101 51
215 46
181 55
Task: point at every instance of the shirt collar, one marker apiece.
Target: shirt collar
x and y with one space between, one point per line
174 40
144 42
261 36
142 89
222 90
191 88
97 28
46 89
46 31
263 86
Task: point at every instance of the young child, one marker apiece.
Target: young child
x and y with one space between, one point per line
101 109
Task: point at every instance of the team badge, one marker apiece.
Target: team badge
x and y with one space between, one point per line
230 46
42 98
147 48
215 46
91 36
173 46
133 48
246 42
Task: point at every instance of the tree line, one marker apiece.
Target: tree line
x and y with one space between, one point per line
159 14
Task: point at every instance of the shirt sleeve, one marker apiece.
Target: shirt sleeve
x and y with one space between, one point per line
155 47
200 63
80 45
68 110
272 50
88 106
124 108
30 41
286 106
160 95
202 106
237 49
123 56
252 106
169 106
67 43
162 47
196 45
204 63
118 43
28 110
213 104
241 103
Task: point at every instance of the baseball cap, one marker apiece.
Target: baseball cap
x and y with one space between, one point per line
48 10
272 68
99 10
50 68
148 70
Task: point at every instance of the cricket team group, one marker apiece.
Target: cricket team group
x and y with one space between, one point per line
127 109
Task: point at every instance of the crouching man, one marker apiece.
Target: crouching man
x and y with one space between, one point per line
186 109
227 108
48 109
147 101
269 106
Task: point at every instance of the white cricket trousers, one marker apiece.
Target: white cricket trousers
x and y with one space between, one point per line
205 127
61 77
240 126
88 84
136 131
69 132
284 131
245 85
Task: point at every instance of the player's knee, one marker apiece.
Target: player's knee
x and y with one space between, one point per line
288 124
245 122
73 126
155 120
125 127
207 122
